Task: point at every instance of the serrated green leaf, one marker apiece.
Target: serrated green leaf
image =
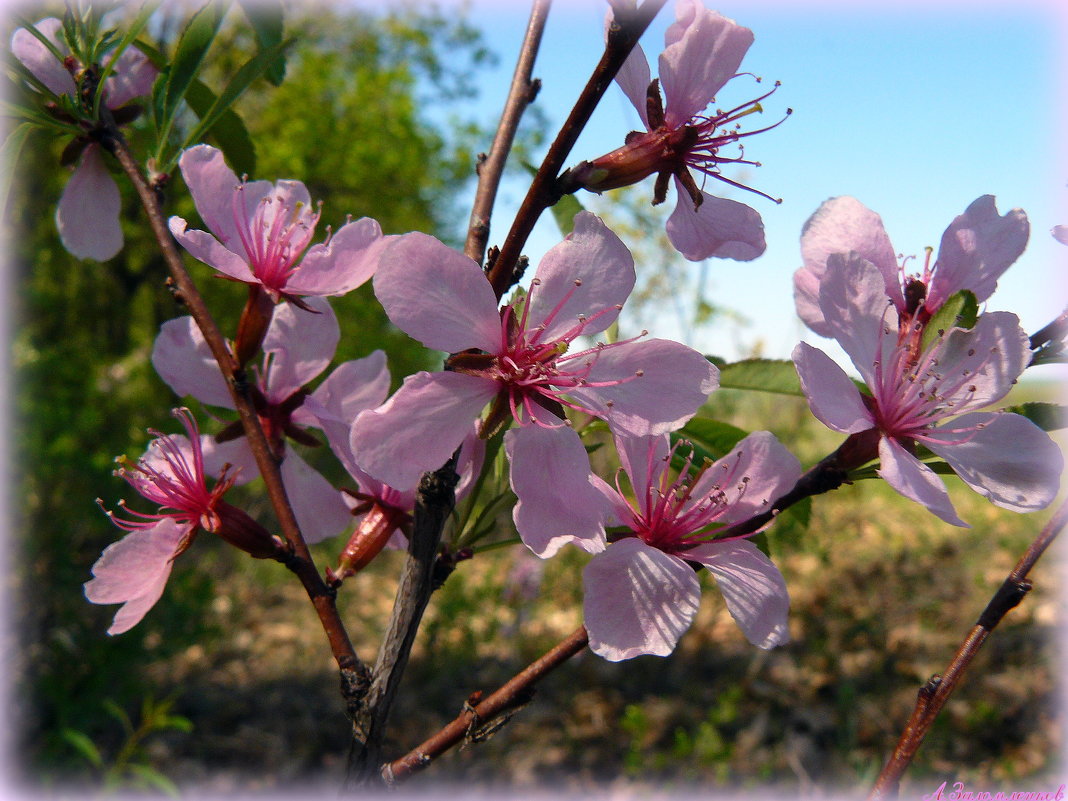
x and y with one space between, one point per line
267 18
1047 416
715 437
228 132
189 55
81 743
763 375
153 778
959 311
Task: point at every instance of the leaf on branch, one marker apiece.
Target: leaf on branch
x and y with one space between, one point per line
84 746
1047 416
763 375
189 53
712 439
960 311
229 131
267 18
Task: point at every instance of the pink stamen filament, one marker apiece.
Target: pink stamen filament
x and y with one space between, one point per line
272 249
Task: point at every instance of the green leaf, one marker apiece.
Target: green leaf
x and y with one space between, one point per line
153 778
959 311
763 375
229 131
715 437
119 714
132 33
84 746
267 20
253 69
188 57
9 155
1047 416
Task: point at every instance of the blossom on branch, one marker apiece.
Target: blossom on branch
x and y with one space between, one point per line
702 52
977 247
88 213
172 474
298 346
261 230
925 391
517 358
641 589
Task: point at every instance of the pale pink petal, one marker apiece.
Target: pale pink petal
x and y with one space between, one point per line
134 571
915 480
833 397
184 361
351 388
758 471
644 460
557 504
638 600
202 246
469 462
720 228
753 588
634 79
854 303
88 212
222 201
319 508
39 60
301 344
1002 456
841 225
673 383
618 511
132 77
234 456
979 366
343 263
419 427
589 272
437 295
1060 233
976 249
696 64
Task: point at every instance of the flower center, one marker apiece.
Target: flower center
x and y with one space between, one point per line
274 235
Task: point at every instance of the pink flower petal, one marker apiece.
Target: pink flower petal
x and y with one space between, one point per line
1002 456
753 588
88 212
352 387
437 295
470 461
419 427
634 79
184 361
39 60
202 246
587 273
319 508
235 456
550 475
638 600
644 460
976 249
841 225
675 381
720 228
134 571
854 303
345 262
301 345
916 481
1060 233
215 188
704 55
832 395
132 77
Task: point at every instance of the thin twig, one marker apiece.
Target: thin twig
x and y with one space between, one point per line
520 95
516 692
933 695
623 35
354 672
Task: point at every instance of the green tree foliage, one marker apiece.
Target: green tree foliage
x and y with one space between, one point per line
361 119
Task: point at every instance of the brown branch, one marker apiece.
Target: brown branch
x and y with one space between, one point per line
543 193
515 693
520 95
933 695
354 672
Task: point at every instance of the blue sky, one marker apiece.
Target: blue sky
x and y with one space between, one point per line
915 111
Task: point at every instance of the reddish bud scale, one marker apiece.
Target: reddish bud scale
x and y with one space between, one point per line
643 155
241 531
369 538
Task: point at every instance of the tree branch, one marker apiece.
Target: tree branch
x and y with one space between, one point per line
520 95
354 672
934 694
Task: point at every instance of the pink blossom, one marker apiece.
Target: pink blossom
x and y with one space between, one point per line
518 358
641 591
927 394
702 52
172 474
1060 233
977 247
262 230
88 211
298 346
